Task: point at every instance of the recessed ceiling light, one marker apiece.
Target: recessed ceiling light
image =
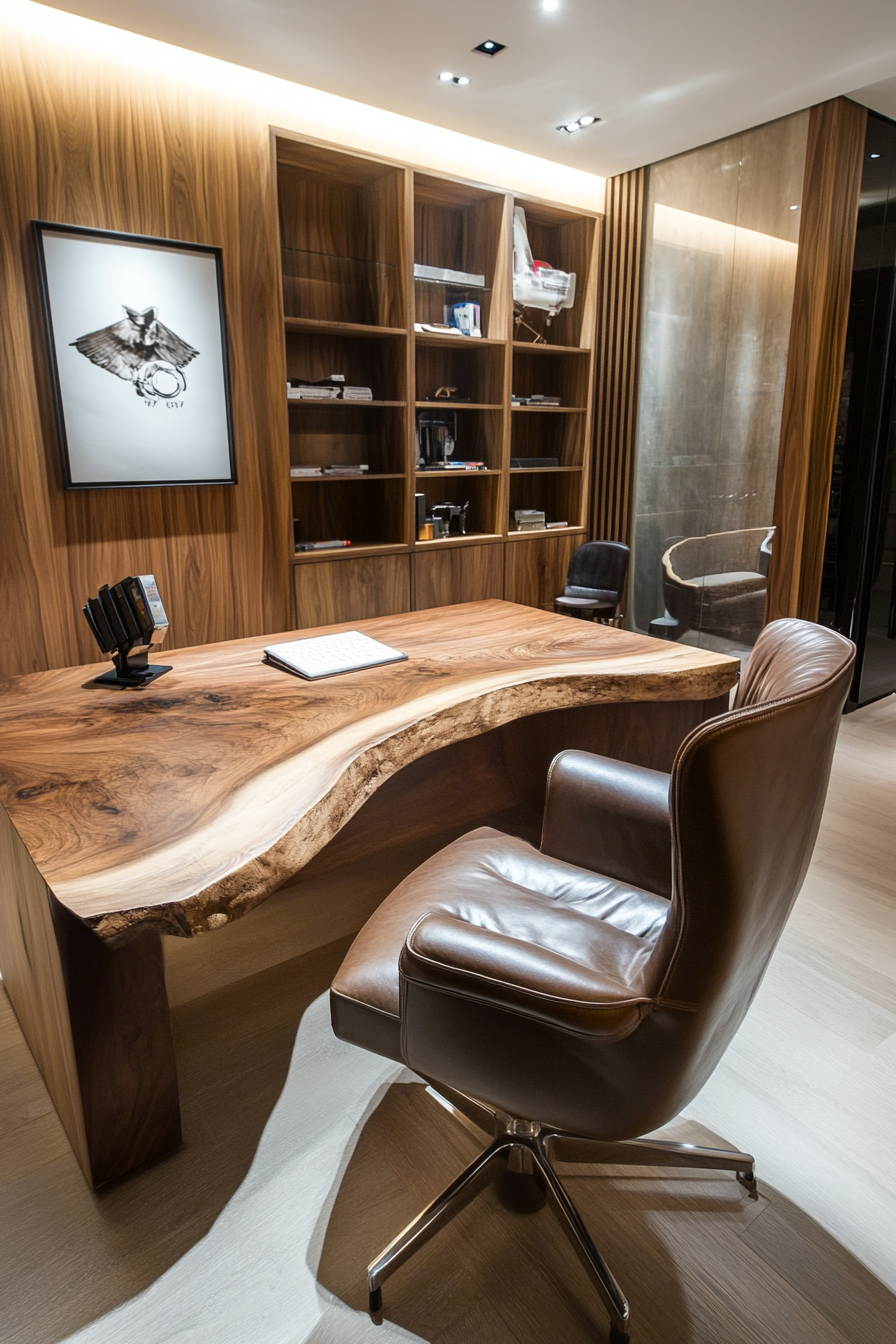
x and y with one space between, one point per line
550 5
446 77
874 156
490 47
794 207
579 125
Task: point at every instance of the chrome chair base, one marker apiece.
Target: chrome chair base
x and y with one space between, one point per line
530 1148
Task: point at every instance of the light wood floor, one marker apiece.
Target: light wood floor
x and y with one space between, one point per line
808 1086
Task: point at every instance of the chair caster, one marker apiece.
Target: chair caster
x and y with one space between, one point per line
618 1336
375 1302
748 1180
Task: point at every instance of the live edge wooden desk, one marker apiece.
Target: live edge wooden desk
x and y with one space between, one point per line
129 814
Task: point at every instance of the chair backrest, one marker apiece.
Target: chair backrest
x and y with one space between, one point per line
716 553
747 794
598 567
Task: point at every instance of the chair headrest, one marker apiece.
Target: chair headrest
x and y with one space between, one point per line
791 657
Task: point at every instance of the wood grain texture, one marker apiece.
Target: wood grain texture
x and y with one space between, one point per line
98 144
445 576
617 357
815 364
351 590
245 773
535 569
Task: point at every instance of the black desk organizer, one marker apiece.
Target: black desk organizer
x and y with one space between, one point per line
128 618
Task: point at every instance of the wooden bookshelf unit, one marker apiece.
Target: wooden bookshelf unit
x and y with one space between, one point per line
351 230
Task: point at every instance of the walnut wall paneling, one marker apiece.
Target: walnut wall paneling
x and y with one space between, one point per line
96 144
829 211
535 569
457 574
617 356
329 591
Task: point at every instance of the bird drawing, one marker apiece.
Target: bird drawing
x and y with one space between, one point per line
142 350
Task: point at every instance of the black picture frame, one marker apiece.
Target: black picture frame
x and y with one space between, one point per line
205 436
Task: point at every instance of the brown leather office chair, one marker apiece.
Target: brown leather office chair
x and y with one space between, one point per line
576 997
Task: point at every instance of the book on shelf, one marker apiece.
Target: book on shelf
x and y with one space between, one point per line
533 463
536 400
455 466
548 526
357 394
345 469
297 473
312 393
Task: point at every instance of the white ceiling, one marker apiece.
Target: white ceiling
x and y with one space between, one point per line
662 77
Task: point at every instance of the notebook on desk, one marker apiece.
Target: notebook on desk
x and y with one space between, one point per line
328 655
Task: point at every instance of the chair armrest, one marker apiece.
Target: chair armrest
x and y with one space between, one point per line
610 817
446 954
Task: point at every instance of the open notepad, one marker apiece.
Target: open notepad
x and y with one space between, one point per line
328 655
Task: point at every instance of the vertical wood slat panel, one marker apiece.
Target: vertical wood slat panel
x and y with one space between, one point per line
829 211
617 356
108 146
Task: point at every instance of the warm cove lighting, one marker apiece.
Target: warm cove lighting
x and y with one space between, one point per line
698 233
75 51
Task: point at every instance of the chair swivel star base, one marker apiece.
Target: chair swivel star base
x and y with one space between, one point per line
526 1146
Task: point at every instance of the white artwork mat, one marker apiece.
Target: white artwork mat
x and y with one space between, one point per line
144 399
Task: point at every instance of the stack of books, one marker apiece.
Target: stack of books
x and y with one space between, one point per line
535 400
455 465
297 473
311 393
326 389
346 469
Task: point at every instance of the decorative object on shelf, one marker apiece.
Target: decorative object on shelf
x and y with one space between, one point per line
441 275
558 523
453 518
533 463
465 317
436 437
128 618
448 394
322 546
529 520
127 412
536 284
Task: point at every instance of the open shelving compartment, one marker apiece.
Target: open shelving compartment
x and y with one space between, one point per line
340 236
566 242
459 228
558 493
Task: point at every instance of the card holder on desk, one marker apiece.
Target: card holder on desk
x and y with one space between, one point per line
330 655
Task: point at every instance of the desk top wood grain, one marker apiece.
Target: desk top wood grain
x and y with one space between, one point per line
185 804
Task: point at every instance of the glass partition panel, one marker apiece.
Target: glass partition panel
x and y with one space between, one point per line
722 225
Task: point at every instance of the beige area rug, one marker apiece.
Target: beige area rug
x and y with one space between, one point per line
252 1279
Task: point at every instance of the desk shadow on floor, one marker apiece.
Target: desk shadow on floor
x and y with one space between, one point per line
700 1262
70 1254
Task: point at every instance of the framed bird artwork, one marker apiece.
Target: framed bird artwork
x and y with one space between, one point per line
137 342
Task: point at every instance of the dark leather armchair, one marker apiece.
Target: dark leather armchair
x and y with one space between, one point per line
595 581
575 997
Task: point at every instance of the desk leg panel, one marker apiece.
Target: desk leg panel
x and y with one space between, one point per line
96 1020
124 1046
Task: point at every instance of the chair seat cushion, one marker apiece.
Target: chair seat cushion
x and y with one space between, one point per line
497 882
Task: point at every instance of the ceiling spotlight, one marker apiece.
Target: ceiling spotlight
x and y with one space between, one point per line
490 47
550 5
794 207
874 156
572 126
446 77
